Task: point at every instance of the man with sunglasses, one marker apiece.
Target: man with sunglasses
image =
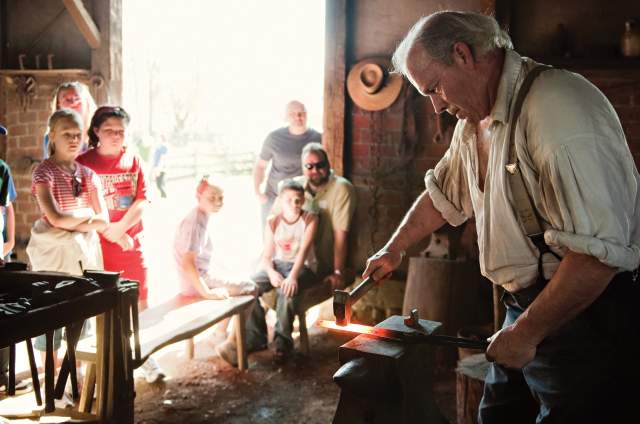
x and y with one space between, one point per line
282 148
333 198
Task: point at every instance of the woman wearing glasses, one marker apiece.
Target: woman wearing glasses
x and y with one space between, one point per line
125 192
72 95
73 209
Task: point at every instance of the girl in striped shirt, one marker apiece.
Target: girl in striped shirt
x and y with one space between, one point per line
73 209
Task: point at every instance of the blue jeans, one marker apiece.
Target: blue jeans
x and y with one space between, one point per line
583 372
256 328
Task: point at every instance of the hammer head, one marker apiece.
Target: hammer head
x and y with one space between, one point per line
342 307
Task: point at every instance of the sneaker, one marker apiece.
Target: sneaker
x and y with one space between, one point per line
218 337
227 351
65 402
282 351
151 371
22 386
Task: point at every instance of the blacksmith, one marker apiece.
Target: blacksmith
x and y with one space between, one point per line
557 211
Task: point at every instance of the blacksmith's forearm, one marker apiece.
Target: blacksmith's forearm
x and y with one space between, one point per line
577 283
421 220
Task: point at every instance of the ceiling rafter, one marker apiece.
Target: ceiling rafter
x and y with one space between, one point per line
84 22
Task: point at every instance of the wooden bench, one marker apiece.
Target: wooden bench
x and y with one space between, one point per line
178 319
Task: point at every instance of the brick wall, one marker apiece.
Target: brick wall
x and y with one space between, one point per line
23 150
622 88
391 150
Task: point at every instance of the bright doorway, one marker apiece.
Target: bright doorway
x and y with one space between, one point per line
213 77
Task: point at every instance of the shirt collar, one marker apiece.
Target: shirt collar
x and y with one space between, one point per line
510 72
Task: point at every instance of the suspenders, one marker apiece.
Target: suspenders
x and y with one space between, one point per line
522 203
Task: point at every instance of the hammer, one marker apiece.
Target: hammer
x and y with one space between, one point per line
342 300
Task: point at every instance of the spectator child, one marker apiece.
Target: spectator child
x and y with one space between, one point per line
193 250
73 209
125 192
288 264
7 241
7 215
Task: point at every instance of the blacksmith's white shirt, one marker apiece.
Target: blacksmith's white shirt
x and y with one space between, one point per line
577 168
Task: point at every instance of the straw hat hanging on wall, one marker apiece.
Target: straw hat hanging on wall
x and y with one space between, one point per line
371 86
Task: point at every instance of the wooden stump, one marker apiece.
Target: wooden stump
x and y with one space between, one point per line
448 291
470 376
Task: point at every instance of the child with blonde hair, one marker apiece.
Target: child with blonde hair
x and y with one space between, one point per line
193 250
65 238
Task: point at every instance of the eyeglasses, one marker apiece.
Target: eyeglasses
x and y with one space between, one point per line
69 101
318 165
71 137
76 185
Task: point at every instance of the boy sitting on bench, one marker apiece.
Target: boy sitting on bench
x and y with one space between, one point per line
288 265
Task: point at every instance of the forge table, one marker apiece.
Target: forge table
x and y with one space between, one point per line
35 303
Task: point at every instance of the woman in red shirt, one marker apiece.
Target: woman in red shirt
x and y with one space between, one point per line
125 192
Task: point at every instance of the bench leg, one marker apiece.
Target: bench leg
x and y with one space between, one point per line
88 387
304 336
190 348
240 341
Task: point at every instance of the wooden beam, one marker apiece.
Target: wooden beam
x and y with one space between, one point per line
334 82
84 22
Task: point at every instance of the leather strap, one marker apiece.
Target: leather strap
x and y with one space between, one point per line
521 201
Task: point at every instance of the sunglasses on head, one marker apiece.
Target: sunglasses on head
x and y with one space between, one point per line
318 165
76 185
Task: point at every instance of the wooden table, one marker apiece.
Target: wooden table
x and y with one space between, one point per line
103 303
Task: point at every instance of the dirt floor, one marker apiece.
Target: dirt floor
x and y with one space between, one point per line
207 390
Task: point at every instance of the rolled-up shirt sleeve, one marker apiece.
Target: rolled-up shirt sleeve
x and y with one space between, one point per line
592 194
447 184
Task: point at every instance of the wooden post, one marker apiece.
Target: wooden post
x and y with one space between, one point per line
84 22
470 376
334 82
100 332
240 341
88 388
106 60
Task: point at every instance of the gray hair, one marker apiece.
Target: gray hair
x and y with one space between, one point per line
438 32
316 149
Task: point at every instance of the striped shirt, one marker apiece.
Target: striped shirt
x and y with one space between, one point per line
60 182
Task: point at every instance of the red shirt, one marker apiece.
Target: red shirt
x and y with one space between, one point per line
123 183
60 182
122 180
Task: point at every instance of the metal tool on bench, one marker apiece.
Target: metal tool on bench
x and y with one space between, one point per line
343 301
